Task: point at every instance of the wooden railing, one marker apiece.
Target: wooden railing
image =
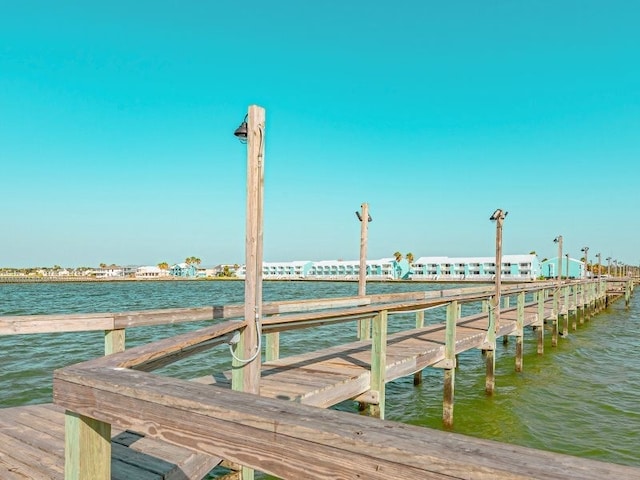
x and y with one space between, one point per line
291 440
120 389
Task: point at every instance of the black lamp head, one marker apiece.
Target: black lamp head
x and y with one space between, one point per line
242 131
498 215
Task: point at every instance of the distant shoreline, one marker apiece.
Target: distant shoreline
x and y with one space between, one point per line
16 279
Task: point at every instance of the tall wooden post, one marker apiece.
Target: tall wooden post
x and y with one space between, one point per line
449 364
494 315
498 216
246 365
557 294
364 326
249 372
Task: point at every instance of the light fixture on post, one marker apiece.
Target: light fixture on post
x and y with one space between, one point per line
247 349
498 217
490 344
362 274
247 356
556 294
364 326
242 131
558 240
608 259
586 262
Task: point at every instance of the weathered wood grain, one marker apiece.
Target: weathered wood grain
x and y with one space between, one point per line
296 441
32 447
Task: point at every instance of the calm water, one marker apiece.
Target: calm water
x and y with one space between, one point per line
581 398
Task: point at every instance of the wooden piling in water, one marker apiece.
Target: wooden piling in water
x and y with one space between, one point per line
417 377
520 332
449 363
539 328
379 363
488 350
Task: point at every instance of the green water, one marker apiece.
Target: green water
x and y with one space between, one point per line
580 398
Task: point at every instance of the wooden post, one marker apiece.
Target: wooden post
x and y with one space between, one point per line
556 317
494 315
488 349
574 325
520 332
557 294
449 364
565 308
246 370
379 363
627 293
272 348
114 341
87 448
506 303
364 326
541 299
417 377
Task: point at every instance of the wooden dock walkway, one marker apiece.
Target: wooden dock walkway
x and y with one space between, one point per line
118 389
32 439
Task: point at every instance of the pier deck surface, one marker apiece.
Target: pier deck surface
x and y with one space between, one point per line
326 377
32 447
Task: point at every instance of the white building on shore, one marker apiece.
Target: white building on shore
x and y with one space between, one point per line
520 268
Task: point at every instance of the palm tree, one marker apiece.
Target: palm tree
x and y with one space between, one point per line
103 265
409 257
398 256
192 260
163 266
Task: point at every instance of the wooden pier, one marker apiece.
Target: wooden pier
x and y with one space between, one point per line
120 417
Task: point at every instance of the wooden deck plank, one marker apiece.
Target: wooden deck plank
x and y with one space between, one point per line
32 446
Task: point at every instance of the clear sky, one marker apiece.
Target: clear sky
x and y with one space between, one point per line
117 120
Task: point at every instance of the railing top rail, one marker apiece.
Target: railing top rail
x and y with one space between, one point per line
55 323
319 442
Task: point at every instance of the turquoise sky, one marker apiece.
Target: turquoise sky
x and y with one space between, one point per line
117 120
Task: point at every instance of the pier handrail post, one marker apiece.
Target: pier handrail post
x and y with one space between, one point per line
488 349
575 303
364 325
540 328
520 331
114 341
272 346
379 363
627 293
87 448
449 363
565 309
417 377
